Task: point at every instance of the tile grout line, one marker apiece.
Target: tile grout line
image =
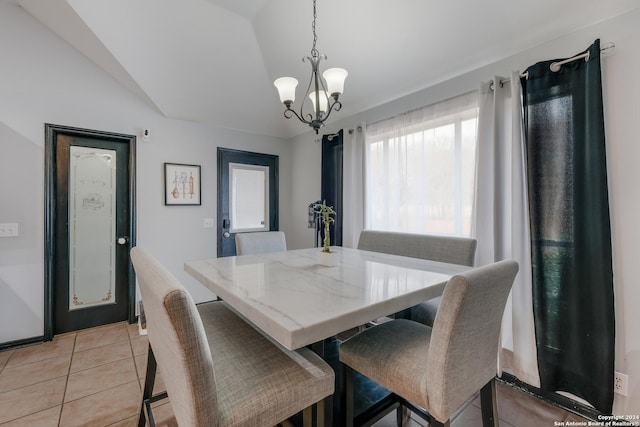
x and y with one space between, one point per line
7 361
29 346
34 383
132 357
101 390
30 385
137 380
28 415
73 352
98 392
102 364
66 384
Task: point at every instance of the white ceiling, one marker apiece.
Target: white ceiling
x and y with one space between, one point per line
214 61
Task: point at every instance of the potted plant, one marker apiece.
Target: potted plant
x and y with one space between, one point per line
326 214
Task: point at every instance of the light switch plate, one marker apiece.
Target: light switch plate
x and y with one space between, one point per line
9 229
208 223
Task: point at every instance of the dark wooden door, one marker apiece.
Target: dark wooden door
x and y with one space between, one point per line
90 228
241 206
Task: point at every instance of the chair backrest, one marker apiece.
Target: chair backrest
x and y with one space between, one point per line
260 242
463 352
179 342
454 250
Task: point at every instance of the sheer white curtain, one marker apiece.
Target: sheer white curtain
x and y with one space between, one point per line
501 218
353 185
420 169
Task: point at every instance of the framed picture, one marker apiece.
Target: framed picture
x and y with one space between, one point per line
181 184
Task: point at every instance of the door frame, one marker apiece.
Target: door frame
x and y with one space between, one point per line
249 158
51 132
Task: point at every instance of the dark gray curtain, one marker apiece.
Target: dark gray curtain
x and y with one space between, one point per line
570 229
331 182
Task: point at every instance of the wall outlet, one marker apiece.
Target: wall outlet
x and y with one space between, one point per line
208 223
621 384
9 229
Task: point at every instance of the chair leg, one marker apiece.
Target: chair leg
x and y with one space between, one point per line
322 418
346 395
149 381
325 412
307 416
402 416
147 393
489 404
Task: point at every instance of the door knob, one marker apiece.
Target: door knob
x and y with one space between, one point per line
226 234
122 240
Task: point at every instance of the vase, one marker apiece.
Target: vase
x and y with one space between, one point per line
328 259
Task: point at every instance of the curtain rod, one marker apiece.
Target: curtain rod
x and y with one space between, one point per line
606 48
416 109
331 136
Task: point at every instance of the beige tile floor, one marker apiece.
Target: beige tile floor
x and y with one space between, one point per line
94 378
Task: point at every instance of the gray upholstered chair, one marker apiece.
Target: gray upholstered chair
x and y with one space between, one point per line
438 368
260 242
454 250
219 370
449 249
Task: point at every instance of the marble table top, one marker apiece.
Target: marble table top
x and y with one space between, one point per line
297 302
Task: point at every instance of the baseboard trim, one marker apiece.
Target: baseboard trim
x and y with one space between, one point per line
551 398
19 343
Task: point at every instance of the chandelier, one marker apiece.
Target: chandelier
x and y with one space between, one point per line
324 98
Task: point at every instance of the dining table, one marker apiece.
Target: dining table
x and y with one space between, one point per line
298 301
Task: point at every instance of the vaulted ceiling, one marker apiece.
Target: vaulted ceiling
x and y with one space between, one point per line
215 61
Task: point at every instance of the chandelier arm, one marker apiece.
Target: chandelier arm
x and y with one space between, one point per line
292 113
324 88
337 105
326 95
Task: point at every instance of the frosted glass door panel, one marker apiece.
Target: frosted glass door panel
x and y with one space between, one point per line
92 222
248 197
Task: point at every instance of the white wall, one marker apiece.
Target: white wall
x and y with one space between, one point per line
621 91
44 80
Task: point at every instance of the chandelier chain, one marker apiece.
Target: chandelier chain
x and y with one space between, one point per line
314 51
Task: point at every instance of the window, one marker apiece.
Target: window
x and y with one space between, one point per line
420 169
